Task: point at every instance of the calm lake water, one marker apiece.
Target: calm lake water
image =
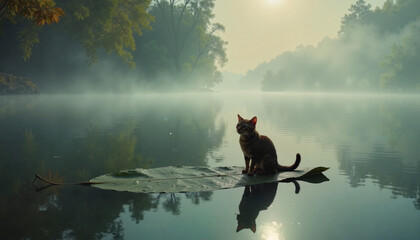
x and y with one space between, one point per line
370 143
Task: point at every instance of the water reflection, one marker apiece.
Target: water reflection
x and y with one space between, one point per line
172 201
385 167
393 163
254 199
76 139
272 231
13 105
375 137
80 212
151 132
257 198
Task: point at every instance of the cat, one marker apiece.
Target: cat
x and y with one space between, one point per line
259 150
254 199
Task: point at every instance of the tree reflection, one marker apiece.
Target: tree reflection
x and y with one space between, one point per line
101 152
89 212
196 197
395 164
374 138
14 105
172 201
172 136
156 134
386 168
117 230
141 203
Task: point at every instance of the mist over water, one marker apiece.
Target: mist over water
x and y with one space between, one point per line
143 85
368 141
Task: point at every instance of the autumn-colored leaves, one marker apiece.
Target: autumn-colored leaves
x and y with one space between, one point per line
39 11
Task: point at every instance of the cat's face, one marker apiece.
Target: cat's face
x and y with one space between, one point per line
245 223
246 127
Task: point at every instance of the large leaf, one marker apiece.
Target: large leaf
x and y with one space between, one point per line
193 179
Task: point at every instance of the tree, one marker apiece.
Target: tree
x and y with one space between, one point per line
268 80
183 50
208 44
188 23
359 15
395 15
109 25
402 63
38 11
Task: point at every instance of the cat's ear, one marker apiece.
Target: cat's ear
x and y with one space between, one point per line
253 228
254 120
239 228
240 118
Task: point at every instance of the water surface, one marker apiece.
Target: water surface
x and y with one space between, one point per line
370 143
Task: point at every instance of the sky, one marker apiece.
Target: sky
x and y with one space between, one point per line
259 30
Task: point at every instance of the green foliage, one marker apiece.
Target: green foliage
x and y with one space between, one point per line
184 38
359 14
108 25
27 38
402 71
111 25
395 15
167 43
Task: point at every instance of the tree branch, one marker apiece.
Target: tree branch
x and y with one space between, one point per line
201 51
165 19
182 13
3 7
196 16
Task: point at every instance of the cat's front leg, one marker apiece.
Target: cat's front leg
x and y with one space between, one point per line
247 159
251 170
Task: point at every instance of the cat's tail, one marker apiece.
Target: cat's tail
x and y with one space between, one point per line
290 168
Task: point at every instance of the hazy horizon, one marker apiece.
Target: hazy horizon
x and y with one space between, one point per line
285 25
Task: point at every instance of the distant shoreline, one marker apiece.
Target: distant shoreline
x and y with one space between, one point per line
11 84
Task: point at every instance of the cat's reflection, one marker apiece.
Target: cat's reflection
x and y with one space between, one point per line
255 199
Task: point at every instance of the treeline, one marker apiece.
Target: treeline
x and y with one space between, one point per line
375 50
112 45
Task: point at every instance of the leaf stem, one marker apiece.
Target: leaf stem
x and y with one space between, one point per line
85 183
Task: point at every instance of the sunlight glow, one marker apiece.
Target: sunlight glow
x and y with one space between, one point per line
272 231
274 1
